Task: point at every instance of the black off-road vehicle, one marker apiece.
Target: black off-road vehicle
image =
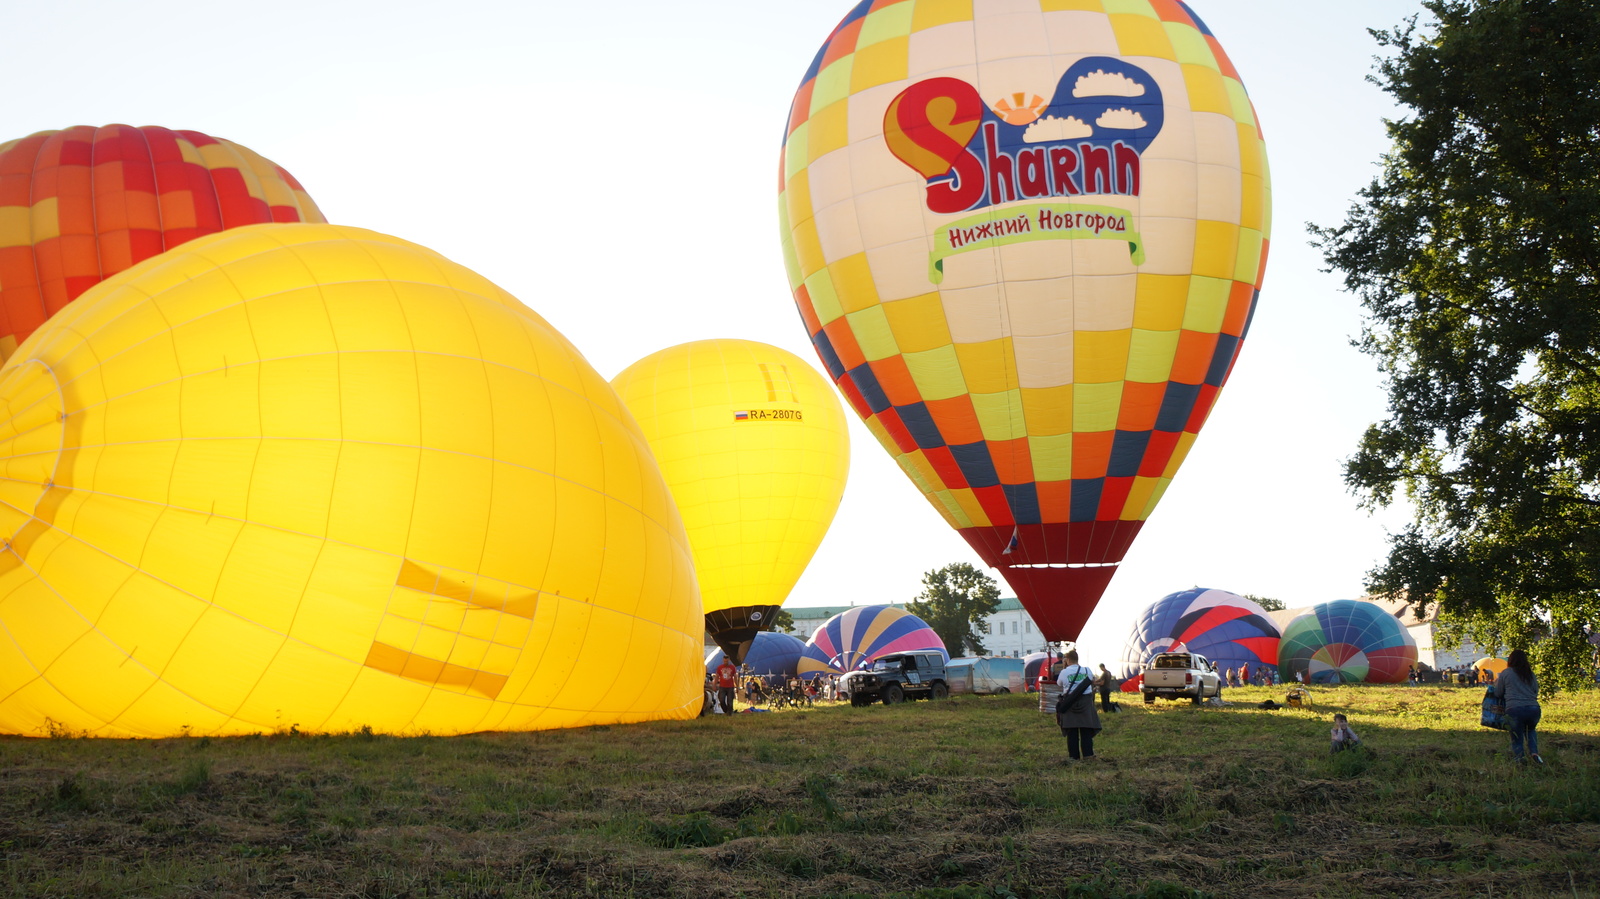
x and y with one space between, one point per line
905 675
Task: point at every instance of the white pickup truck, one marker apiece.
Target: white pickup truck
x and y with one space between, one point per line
1181 675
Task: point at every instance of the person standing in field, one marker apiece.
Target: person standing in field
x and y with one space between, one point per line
1104 681
1075 712
727 677
1518 690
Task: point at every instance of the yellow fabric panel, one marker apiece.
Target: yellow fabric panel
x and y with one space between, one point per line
1252 155
1095 406
230 535
1208 303
1080 5
1216 247
756 494
1243 111
928 13
1161 302
918 323
1155 497
1100 356
1048 409
880 63
1207 93
832 85
1052 457
893 21
1181 452
1000 415
881 434
853 272
1137 506
970 507
824 299
949 509
1132 7
1249 259
829 130
795 156
921 473
937 373
1140 35
873 334
985 366
1190 48
1150 355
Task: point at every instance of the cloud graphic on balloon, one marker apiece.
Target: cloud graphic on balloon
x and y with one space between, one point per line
1101 83
1051 128
1122 119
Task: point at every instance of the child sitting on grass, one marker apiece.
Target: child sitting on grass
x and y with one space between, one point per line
1343 737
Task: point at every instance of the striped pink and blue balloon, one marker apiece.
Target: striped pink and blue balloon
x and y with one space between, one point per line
855 637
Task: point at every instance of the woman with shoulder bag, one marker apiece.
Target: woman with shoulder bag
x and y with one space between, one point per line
1518 690
1075 709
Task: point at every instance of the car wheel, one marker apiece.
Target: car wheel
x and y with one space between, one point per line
1199 693
939 691
1003 690
893 694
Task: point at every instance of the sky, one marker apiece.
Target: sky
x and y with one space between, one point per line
614 166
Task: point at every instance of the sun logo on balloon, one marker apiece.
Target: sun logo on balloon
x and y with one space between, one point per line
1019 108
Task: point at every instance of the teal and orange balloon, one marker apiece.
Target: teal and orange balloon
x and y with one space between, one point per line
1026 240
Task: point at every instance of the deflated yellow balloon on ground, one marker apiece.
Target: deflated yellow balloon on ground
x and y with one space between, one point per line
305 475
752 443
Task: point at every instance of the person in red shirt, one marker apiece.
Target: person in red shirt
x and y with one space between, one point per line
727 677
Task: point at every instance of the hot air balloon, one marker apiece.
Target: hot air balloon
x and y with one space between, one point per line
1224 627
752 443
770 652
1032 305
82 204
856 636
1347 641
303 475
1489 668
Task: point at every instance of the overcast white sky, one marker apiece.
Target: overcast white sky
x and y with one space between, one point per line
615 167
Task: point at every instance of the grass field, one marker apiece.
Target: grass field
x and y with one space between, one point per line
952 800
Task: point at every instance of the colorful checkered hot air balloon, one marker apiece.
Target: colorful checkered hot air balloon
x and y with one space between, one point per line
855 637
1224 627
1031 305
80 205
1347 641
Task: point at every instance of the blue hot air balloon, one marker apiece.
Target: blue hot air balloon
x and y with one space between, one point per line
770 653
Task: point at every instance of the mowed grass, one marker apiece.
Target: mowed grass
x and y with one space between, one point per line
952 800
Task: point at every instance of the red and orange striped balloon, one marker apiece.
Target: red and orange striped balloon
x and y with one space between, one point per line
80 205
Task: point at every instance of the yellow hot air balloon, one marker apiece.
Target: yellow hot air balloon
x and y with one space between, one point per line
752 443
314 476
1031 303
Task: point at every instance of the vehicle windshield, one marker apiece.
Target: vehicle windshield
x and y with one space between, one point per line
887 664
1172 661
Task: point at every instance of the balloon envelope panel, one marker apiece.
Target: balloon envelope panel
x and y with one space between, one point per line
1026 240
752 443
85 203
770 653
1224 627
855 637
301 475
1347 641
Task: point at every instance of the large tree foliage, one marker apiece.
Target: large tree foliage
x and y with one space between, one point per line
1476 254
954 600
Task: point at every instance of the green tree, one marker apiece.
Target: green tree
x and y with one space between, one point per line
782 622
1476 256
954 600
1266 602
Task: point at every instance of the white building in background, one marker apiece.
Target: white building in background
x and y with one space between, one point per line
1010 629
